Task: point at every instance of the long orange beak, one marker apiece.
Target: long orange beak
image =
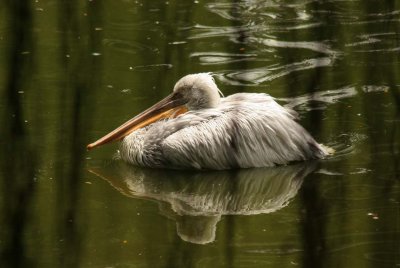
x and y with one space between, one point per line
170 107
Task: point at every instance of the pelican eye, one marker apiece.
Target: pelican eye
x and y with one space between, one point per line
178 98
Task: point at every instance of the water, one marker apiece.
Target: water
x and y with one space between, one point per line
71 72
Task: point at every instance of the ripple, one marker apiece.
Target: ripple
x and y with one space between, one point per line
352 245
367 41
150 67
328 172
124 26
253 77
382 42
375 88
359 192
274 250
251 30
260 75
225 10
385 14
384 256
361 171
209 58
313 46
300 26
201 31
262 9
364 22
394 49
124 46
345 144
325 97
268 16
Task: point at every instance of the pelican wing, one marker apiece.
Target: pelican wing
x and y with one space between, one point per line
246 130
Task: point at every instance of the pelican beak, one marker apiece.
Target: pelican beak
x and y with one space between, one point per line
170 107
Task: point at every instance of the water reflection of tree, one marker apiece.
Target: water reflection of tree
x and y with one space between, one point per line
20 150
315 208
80 58
372 108
18 156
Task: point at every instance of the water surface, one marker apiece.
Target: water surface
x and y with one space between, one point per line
71 72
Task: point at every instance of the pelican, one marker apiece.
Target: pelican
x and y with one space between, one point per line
196 128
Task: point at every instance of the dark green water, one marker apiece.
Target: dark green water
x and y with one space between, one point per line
70 71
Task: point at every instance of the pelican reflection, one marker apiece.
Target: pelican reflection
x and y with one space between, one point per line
197 200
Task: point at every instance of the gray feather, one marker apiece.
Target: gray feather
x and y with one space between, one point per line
244 130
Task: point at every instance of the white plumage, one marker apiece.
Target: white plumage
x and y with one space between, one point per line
240 131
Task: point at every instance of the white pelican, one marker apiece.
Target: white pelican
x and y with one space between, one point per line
195 128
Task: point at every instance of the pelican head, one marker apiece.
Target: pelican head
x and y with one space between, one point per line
198 90
191 92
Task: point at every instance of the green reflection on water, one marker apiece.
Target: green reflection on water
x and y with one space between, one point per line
71 72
